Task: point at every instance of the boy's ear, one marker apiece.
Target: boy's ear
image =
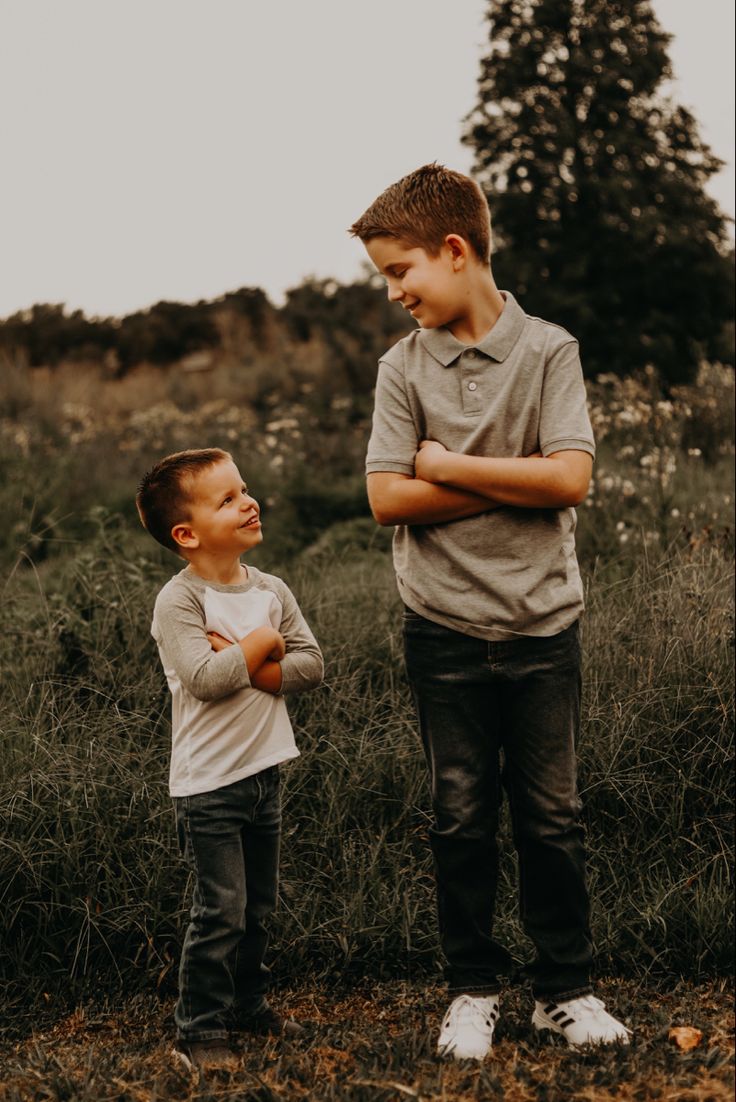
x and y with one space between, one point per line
459 250
184 536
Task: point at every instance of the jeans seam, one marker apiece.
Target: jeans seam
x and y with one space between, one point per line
190 845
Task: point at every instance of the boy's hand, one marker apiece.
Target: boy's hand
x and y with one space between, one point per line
218 642
428 460
279 649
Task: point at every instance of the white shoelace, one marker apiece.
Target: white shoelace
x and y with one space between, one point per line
463 1004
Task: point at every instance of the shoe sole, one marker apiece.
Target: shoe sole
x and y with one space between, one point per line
451 1054
544 1025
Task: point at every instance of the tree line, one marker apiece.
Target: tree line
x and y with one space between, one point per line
596 185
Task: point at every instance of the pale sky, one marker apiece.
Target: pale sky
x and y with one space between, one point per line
180 149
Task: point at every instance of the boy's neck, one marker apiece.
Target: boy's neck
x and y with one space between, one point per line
485 305
212 568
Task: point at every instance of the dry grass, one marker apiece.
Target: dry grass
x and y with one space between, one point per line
375 1043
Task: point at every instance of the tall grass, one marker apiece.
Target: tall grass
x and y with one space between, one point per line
92 885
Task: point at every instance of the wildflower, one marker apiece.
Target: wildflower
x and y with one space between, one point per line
284 423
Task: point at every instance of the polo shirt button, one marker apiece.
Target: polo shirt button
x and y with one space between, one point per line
472 386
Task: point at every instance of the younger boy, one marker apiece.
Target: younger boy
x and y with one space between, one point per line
232 641
481 446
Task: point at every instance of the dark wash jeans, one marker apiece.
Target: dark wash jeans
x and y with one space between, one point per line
475 701
230 840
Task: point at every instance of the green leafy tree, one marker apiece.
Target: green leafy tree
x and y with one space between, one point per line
46 334
595 181
165 333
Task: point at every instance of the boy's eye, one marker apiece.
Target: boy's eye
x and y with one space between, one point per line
244 490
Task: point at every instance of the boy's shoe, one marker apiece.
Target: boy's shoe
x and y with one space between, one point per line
583 1021
268 1023
213 1055
467 1028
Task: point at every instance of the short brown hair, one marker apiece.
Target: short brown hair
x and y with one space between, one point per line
425 206
163 494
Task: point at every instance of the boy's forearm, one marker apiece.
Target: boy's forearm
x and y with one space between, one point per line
257 646
555 482
399 499
268 677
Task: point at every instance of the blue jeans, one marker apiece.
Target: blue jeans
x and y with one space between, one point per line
479 702
230 840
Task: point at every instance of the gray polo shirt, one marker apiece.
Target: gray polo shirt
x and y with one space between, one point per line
511 571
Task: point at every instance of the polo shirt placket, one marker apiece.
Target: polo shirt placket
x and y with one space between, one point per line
471 381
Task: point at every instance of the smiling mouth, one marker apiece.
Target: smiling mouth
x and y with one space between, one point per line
252 522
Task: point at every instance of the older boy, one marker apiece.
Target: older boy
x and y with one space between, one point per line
481 446
232 641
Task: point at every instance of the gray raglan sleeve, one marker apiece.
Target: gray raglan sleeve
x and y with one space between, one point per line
179 629
394 439
302 666
564 424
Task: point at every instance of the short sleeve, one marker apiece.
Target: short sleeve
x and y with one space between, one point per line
394 439
564 424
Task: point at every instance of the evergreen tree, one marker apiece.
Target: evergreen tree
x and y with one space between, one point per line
596 185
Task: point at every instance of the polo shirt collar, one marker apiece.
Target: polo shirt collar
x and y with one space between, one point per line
496 344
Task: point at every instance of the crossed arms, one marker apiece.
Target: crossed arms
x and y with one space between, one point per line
450 486
263 650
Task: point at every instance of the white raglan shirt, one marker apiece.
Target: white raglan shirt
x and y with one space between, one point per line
223 729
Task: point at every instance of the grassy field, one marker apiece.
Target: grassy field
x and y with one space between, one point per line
92 894
374 1043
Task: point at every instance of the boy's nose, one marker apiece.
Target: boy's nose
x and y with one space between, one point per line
394 292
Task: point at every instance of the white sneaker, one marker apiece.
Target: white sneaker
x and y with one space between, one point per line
467 1027
583 1021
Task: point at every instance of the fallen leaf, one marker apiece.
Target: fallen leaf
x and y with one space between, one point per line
685 1037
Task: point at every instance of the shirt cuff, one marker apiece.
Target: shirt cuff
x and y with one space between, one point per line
567 444
396 466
